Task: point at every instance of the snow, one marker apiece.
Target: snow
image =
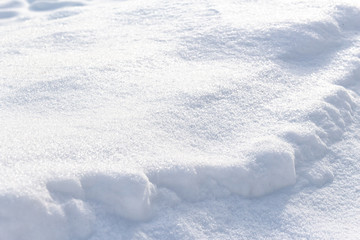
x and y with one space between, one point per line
179 120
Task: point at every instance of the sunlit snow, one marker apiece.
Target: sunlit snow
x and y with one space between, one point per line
185 119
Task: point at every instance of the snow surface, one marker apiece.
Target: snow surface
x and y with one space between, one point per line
179 119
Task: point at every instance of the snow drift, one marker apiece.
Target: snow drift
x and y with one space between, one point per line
119 108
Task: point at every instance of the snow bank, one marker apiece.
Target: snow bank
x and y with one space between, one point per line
116 109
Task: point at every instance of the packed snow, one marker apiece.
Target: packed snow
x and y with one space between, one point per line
185 119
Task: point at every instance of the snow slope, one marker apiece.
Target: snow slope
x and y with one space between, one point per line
179 120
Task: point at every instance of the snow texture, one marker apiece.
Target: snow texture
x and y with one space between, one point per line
179 119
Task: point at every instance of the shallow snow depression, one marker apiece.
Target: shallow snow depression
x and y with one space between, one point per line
116 109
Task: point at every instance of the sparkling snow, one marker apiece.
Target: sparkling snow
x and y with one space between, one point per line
179 119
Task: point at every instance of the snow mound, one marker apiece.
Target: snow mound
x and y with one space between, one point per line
69 210
270 166
306 42
28 217
126 195
118 109
129 196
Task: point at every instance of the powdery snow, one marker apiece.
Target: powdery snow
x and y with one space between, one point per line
179 120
